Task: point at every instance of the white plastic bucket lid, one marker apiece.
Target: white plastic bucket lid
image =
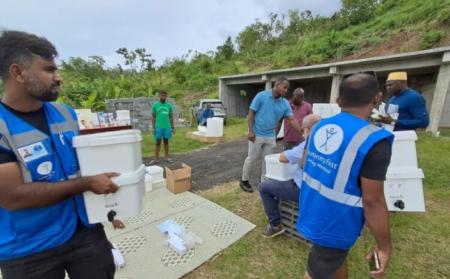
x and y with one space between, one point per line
405 135
107 138
130 178
151 170
404 173
272 158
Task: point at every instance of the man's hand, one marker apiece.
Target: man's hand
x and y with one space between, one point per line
102 183
251 136
383 257
173 130
117 224
386 119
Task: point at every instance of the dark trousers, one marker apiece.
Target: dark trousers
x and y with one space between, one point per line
86 256
271 192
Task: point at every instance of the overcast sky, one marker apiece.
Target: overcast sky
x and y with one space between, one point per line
166 28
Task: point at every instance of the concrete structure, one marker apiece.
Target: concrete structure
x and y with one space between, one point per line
428 71
141 111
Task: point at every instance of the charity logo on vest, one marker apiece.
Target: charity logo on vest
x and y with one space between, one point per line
328 139
45 168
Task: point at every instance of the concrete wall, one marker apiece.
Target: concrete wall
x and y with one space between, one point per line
237 98
140 111
316 90
428 71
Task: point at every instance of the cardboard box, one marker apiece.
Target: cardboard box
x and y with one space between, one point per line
180 179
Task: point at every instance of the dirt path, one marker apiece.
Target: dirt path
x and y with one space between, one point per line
217 164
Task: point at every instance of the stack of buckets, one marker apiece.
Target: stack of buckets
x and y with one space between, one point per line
119 152
403 187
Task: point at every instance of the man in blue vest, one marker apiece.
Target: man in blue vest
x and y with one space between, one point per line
345 166
44 230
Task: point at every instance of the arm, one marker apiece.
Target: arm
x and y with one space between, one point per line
293 156
172 122
278 128
250 120
153 122
15 194
372 175
419 115
376 214
295 125
283 158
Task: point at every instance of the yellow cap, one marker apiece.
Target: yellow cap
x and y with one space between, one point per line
398 76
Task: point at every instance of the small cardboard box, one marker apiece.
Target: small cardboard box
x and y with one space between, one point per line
180 179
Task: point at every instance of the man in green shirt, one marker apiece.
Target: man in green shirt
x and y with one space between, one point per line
162 123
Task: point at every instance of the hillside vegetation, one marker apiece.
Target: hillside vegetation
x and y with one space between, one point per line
361 28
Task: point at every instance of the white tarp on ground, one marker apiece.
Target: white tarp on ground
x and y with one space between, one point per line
143 246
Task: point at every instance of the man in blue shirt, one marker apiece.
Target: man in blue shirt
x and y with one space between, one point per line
44 230
272 191
267 110
206 113
405 103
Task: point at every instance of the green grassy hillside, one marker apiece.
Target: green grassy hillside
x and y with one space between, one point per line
361 28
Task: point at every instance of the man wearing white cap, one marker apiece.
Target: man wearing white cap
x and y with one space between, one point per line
408 103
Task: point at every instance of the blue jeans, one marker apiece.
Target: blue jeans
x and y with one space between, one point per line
271 192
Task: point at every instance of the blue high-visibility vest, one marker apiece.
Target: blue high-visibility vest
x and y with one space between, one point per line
331 212
42 158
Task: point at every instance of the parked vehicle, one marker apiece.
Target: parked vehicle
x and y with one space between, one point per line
216 105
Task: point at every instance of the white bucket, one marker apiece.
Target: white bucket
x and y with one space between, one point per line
403 190
123 121
325 110
126 202
156 172
118 151
278 170
122 114
404 153
214 127
148 183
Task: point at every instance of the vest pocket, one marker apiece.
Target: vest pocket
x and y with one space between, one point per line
44 169
36 223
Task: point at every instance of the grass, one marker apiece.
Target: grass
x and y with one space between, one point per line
421 240
181 143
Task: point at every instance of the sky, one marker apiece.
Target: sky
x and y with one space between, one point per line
165 28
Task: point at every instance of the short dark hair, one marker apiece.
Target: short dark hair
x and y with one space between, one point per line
163 92
358 90
18 47
281 80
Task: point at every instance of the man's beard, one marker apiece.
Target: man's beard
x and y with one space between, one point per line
297 103
38 91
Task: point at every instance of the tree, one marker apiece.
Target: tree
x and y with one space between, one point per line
146 62
130 57
356 11
226 50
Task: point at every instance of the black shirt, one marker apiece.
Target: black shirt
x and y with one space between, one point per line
377 161
36 119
